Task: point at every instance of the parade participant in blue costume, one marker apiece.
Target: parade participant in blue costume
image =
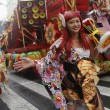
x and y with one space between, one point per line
68 68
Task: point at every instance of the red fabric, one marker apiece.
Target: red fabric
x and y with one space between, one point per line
95 7
35 62
82 5
29 48
54 8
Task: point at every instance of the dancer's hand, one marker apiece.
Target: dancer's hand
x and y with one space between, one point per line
24 63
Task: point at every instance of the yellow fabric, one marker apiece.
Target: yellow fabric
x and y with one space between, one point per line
70 95
89 70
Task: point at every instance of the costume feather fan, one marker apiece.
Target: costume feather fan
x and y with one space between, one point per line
104 43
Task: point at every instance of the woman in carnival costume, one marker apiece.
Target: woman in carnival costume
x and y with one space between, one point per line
68 68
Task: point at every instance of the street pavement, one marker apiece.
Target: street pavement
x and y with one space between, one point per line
26 93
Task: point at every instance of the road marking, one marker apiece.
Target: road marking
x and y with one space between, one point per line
41 89
38 88
106 108
104 90
30 85
16 102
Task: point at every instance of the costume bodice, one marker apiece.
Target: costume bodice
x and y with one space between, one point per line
82 52
79 53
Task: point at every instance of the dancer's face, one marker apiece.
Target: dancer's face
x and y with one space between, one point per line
74 25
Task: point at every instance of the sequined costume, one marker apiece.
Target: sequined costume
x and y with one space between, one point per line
70 79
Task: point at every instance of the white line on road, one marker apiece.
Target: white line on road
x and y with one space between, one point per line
30 85
106 108
104 90
16 102
41 89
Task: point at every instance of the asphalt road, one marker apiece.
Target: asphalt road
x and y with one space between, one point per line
26 92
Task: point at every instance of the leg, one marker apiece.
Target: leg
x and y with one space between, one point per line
71 107
78 105
81 105
100 104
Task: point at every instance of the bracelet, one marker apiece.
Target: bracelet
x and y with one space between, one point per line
35 62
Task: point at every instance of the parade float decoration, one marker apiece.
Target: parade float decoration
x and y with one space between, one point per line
32 55
100 12
54 7
52 31
28 23
102 44
26 35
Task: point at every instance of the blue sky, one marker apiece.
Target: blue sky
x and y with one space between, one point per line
3 10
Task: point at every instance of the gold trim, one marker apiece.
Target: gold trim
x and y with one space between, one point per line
35 15
35 9
24 10
29 4
24 16
42 14
41 3
31 21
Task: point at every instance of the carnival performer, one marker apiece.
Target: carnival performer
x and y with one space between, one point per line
3 71
68 68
